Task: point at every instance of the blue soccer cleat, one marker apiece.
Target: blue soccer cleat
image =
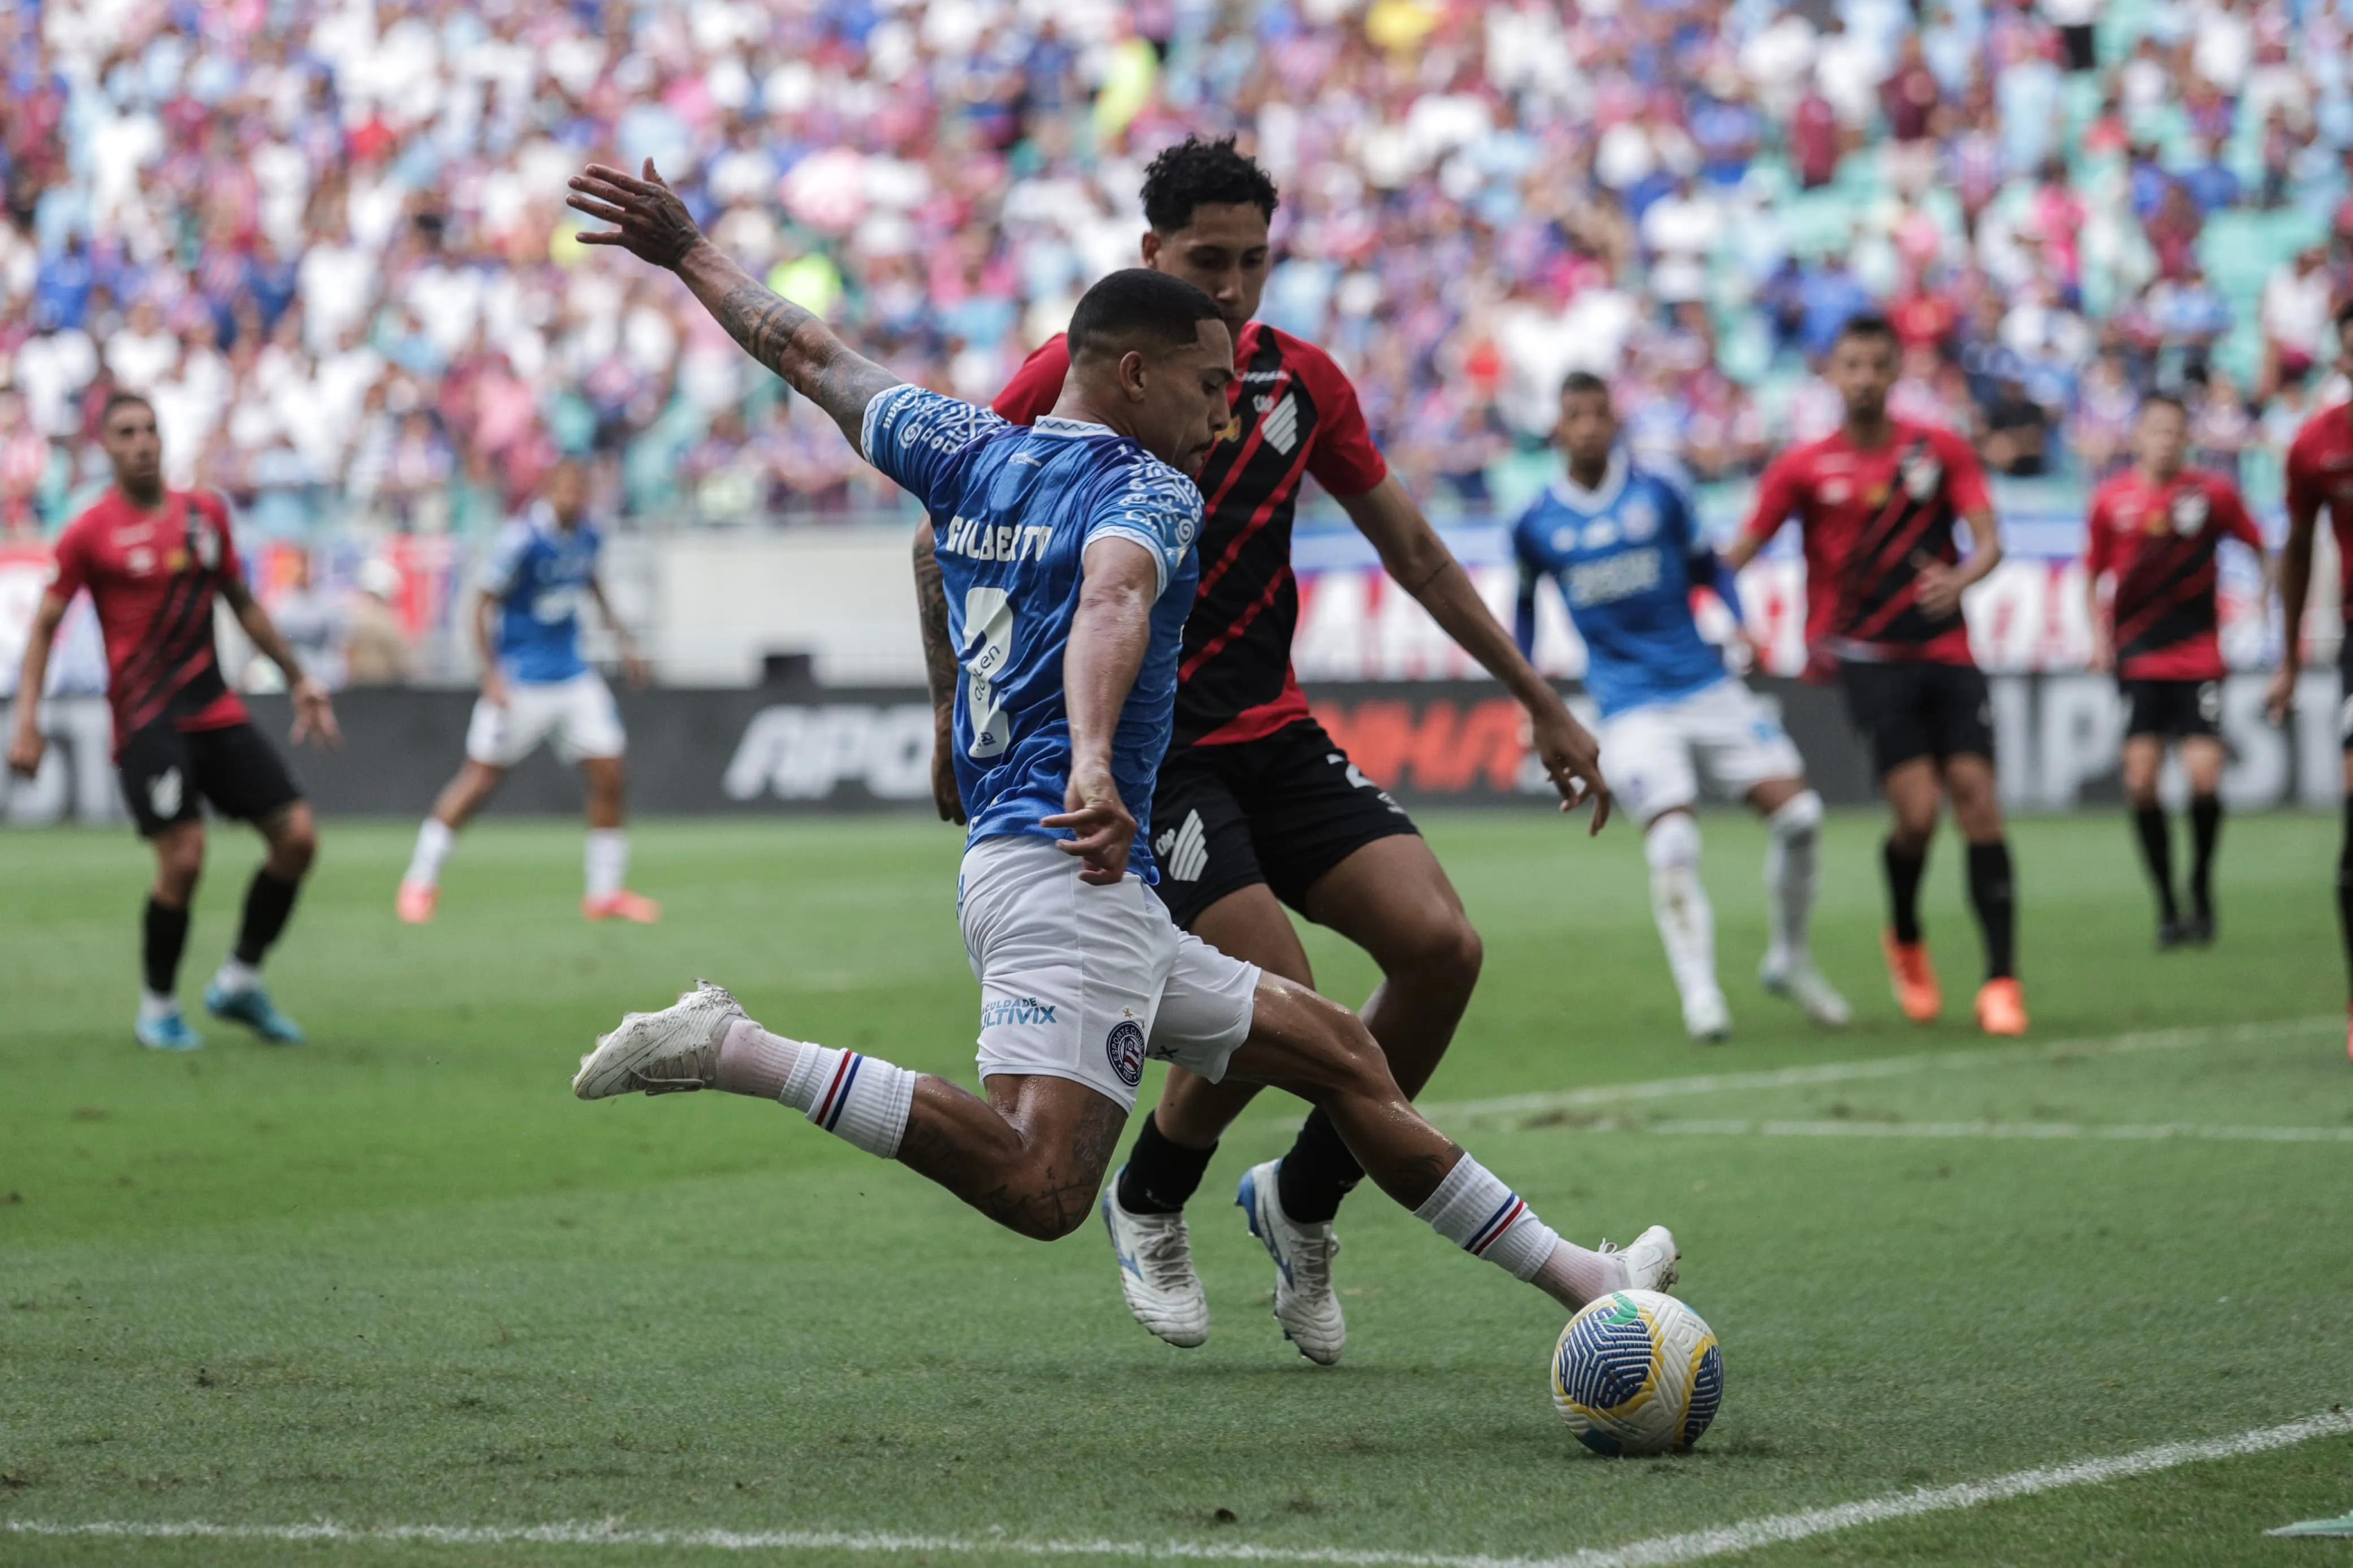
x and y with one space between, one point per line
168 1033
252 1008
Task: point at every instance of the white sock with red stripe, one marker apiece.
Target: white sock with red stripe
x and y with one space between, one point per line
1474 1210
859 1099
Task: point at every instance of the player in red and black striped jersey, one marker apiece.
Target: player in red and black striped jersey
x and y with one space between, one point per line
2152 534
1882 502
2320 478
153 561
1256 806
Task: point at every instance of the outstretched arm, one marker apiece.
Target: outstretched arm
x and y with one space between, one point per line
1413 553
651 224
1108 639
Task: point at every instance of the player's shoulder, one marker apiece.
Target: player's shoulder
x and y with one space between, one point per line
2218 486
1307 362
211 504
913 415
1800 459
1142 479
1948 445
2114 489
2325 431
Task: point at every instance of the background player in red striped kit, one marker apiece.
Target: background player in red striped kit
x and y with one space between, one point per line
1879 500
2151 542
2320 478
152 561
1256 806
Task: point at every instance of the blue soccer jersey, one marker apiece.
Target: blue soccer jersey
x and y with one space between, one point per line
539 571
1013 509
1625 555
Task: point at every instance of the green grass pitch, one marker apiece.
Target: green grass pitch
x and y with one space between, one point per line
399 1277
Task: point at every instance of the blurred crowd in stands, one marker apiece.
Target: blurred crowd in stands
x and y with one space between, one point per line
326 236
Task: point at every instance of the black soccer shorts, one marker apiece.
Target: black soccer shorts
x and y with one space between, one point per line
2172 709
1915 708
1283 810
166 772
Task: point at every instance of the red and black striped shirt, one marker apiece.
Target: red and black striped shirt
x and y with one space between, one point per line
1873 516
153 577
1295 414
2159 540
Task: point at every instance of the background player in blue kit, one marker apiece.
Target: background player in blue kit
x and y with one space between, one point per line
1625 551
1067 550
536 687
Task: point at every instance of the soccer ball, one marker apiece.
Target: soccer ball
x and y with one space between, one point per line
1637 1372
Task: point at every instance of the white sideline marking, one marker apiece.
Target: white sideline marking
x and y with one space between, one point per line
1690 1547
1876 1066
2120 1131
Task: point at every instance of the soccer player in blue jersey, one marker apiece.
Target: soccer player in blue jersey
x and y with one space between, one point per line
537 689
1068 554
1625 550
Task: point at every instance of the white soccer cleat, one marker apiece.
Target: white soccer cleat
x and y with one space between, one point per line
1649 1259
1155 1272
1803 983
662 1053
1706 1016
1304 1303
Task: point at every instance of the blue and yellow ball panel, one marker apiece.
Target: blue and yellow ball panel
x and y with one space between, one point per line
1635 1373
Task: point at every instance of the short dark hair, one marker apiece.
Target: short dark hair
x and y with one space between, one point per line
1583 381
1197 174
1138 308
121 397
1868 324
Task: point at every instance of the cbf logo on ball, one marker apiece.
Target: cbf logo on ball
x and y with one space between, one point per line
1125 1047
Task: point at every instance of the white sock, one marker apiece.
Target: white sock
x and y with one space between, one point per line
859 1099
1686 919
155 1004
754 1062
233 977
433 841
607 861
1474 1209
1790 860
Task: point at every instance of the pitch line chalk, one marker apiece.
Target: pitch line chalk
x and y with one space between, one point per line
1656 1552
2030 1131
1610 1094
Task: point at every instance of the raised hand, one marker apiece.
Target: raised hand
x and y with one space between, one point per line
648 220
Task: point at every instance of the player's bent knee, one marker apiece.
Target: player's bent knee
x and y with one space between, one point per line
1796 817
1672 844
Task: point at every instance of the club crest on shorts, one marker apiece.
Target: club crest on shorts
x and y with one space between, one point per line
1124 1048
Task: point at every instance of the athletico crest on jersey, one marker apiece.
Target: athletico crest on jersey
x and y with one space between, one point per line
1013 511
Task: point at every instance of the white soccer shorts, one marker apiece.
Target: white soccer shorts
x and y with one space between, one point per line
576 715
1087 984
1654 756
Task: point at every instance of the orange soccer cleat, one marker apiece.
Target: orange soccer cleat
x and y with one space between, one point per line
2001 1009
415 903
624 905
1913 978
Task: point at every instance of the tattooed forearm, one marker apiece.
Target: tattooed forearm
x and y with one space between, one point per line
791 342
940 666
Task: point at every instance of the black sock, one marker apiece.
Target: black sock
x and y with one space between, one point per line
163 933
268 901
2345 891
1993 893
1160 1176
2157 854
2205 832
1317 1172
1904 869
